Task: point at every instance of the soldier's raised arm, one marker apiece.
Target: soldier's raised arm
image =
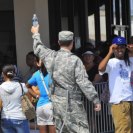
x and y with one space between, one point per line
44 53
38 46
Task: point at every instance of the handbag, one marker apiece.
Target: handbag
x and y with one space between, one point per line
27 106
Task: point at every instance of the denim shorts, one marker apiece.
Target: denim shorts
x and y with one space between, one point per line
15 126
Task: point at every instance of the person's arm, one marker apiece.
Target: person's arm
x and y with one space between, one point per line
36 90
31 91
39 48
32 82
0 103
97 78
85 85
103 63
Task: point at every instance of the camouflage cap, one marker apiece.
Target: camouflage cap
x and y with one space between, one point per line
65 36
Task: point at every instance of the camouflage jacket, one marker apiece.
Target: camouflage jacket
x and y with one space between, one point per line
69 72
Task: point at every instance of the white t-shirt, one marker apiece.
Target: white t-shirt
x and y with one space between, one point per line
119 80
10 93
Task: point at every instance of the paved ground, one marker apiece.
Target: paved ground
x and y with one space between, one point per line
34 131
33 126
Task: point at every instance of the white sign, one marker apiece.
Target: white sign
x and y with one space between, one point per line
77 42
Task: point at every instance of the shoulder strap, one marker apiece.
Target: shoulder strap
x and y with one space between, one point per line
45 87
21 88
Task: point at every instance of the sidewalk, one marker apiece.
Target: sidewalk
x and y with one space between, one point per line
34 131
33 128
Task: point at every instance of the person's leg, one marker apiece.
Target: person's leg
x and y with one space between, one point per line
43 129
6 126
121 117
69 122
48 111
132 116
26 127
20 126
51 129
59 110
76 120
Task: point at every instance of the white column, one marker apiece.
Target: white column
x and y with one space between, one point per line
23 12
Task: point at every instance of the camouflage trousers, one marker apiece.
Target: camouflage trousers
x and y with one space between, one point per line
70 121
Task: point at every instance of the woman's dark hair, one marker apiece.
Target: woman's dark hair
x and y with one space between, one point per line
42 68
37 58
9 71
126 58
31 53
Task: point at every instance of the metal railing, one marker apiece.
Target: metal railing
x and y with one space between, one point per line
99 122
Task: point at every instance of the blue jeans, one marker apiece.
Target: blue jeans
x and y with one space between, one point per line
15 126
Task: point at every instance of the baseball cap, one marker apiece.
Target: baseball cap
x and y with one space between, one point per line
119 40
88 52
65 36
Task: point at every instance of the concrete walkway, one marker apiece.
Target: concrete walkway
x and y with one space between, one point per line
34 131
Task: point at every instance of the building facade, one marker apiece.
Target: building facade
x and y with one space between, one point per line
90 20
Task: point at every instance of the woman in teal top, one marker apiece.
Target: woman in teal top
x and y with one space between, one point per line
44 110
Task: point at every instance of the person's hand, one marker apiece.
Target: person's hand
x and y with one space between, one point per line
97 107
112 47
34 29
129 45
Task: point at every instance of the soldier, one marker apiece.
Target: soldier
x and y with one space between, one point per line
70 81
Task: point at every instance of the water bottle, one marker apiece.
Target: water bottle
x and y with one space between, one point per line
34 20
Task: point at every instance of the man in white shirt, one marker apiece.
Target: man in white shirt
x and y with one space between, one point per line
119 71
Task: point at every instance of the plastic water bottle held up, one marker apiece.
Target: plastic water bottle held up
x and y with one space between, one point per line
34 20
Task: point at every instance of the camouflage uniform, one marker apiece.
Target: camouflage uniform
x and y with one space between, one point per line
71 81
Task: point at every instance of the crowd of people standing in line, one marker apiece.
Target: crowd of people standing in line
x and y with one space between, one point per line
60 108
